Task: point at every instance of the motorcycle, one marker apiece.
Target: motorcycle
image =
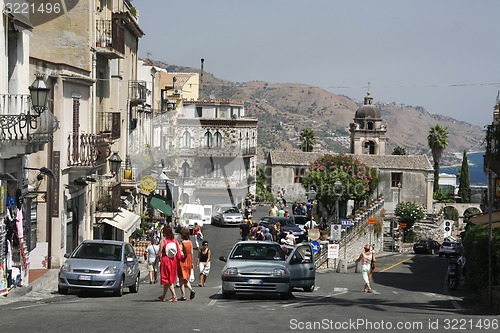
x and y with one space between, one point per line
453 275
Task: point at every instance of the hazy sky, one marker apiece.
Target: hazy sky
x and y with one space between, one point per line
441 55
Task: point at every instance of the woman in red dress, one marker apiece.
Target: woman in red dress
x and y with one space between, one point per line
170 255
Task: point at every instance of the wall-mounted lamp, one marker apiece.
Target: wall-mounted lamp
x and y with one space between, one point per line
114 163
39 93
44 171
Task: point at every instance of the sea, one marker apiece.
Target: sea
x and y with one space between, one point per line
477 175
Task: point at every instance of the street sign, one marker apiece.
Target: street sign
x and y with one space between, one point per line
346 223
333 251
336 232
316 246
313 234
371 220
402 225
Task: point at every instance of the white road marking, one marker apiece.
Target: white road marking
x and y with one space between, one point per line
315 299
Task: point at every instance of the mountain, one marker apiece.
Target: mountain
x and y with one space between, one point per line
284 109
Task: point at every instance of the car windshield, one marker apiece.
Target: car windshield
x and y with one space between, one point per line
192 216
300 219
288 223
231 210
257 252
98 251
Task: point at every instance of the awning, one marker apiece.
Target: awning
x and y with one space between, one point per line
125 220
159 202
484 219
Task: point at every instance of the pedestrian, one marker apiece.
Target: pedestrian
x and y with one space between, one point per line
290 237
367 259
281 212
260 235
197 235
185 265
267 234
245 230
151 257
276 230
273 211
203 263
169 254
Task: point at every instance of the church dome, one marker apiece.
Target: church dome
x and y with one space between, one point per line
368 110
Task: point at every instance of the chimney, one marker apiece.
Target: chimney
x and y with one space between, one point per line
200 87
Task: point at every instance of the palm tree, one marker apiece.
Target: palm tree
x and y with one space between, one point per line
438 141
307 140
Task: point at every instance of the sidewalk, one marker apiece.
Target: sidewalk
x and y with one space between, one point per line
43 282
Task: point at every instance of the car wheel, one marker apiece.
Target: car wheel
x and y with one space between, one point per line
309 288
135 287
62 291
119 290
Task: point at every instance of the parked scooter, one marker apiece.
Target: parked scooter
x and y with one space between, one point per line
453 275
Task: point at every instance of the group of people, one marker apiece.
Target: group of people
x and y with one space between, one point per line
252 231
174 261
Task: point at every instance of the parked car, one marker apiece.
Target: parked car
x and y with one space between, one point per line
261 267
299 220
427 246
227 215
285 222
448 249
193 213
100 265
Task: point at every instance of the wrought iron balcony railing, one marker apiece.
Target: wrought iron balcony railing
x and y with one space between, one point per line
108 196
110 36
109 123
137 91
85 149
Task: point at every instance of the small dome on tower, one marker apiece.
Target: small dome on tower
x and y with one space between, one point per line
368 110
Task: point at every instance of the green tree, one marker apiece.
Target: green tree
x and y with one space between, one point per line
358 180
307 140
398 150
464 187
263 194
438 141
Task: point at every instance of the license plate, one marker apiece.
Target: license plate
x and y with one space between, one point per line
85 277
254 281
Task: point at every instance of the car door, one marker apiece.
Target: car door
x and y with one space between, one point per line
301 266
131 265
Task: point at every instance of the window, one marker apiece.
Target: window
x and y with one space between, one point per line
207 140
186 170
217 113
218 140
186 140
217 170
396 178
199 112
370 125
299 173
208 171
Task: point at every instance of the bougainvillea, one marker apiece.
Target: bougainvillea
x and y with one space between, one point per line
357 179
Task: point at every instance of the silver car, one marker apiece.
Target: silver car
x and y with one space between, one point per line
100 265
263 267
227 215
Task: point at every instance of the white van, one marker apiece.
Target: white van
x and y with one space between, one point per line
191 214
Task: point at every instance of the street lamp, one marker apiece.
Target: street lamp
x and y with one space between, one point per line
337 187
39 93
114 163
399 192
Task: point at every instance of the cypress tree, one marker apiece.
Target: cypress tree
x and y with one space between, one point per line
464 187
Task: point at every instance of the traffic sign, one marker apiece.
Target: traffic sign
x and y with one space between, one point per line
316 246
371 220
336 232
313 234
402 225
333 251
346 223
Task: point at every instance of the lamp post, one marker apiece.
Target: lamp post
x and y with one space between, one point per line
337 187
114 163
399 201
39 93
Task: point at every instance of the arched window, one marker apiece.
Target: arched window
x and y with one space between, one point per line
370 125
208 171
186 170
247 144
370 148
218 140
207 140
254 142
186 140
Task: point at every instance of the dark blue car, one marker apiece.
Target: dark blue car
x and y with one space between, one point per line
285 222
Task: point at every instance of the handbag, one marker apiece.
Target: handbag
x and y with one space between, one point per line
191 277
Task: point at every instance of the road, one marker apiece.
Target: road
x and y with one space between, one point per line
409 290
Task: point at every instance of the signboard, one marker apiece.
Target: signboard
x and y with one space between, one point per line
148 183
402 225
371 220
313 234
316 246
333 251
336 232
346 223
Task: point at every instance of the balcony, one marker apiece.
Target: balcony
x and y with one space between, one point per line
21 131
108 197
87 150
492 154
109 123
110 39
137 92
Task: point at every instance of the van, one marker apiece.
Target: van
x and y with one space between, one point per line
191 214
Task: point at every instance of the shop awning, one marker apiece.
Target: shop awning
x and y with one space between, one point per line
484 219
125 220
159 202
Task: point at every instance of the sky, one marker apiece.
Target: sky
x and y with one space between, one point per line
443 55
